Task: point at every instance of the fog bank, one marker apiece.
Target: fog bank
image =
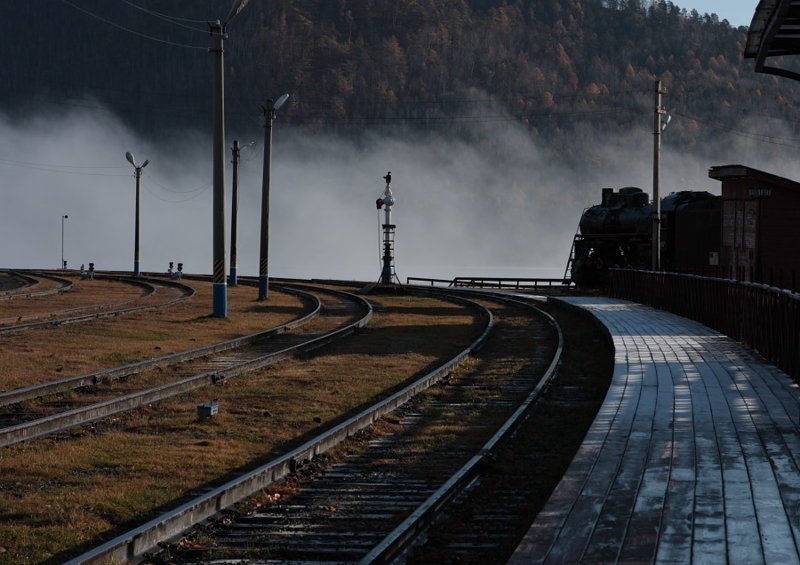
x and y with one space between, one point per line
495 205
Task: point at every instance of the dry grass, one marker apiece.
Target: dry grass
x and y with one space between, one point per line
58 494
48 354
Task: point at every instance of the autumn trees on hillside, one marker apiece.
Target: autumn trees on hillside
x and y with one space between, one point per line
548 64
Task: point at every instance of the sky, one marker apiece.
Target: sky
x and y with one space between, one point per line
737 12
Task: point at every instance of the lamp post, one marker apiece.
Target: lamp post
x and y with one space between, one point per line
218 37
263 265
63 263
138 174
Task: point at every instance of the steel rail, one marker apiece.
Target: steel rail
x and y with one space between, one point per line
86 414
69 383
406 534
187 292
24 292
149 290
146 537
28 283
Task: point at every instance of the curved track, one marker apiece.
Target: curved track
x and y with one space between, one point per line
99 311
402 478
18 395
342 313
32 280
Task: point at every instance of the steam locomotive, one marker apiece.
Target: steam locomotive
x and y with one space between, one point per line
618 233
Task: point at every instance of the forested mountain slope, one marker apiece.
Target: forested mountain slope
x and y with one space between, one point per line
553 65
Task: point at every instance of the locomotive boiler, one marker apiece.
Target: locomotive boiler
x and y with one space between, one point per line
618 233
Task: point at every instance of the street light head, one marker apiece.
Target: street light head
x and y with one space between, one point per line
145 163
129 157
666 122
237 7
65 216
280 102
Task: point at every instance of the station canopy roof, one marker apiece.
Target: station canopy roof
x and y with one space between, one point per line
774 32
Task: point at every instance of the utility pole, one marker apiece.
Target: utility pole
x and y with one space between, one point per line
263 265
658 127
220 301
218 37
234 211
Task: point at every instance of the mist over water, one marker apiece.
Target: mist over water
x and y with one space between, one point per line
495 205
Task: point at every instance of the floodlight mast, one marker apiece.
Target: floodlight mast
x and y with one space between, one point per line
263 265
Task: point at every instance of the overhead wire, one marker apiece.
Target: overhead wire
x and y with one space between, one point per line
201 187
169 16
131 31
14 161
180 200
773 140
51 169
166 18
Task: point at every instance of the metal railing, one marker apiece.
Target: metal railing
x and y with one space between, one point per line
763 317
493 282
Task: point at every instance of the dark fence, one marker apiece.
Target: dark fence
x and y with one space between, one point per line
763 317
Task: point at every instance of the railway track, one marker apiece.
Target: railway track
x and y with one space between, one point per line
397 475
107 393
18 395
31 281
486 522
99 311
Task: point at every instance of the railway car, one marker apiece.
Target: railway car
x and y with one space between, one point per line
618 233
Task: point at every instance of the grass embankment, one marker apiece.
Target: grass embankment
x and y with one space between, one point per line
61 495
48 354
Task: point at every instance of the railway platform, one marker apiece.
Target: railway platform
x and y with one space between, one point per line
693 457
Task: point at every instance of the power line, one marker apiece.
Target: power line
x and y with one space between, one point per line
190 191
165 17
187 199
763 138
15 162
57 170
139 34
168 16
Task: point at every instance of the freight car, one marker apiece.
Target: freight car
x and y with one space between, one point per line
618 233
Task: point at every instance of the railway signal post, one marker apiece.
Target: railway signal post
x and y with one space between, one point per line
386 201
